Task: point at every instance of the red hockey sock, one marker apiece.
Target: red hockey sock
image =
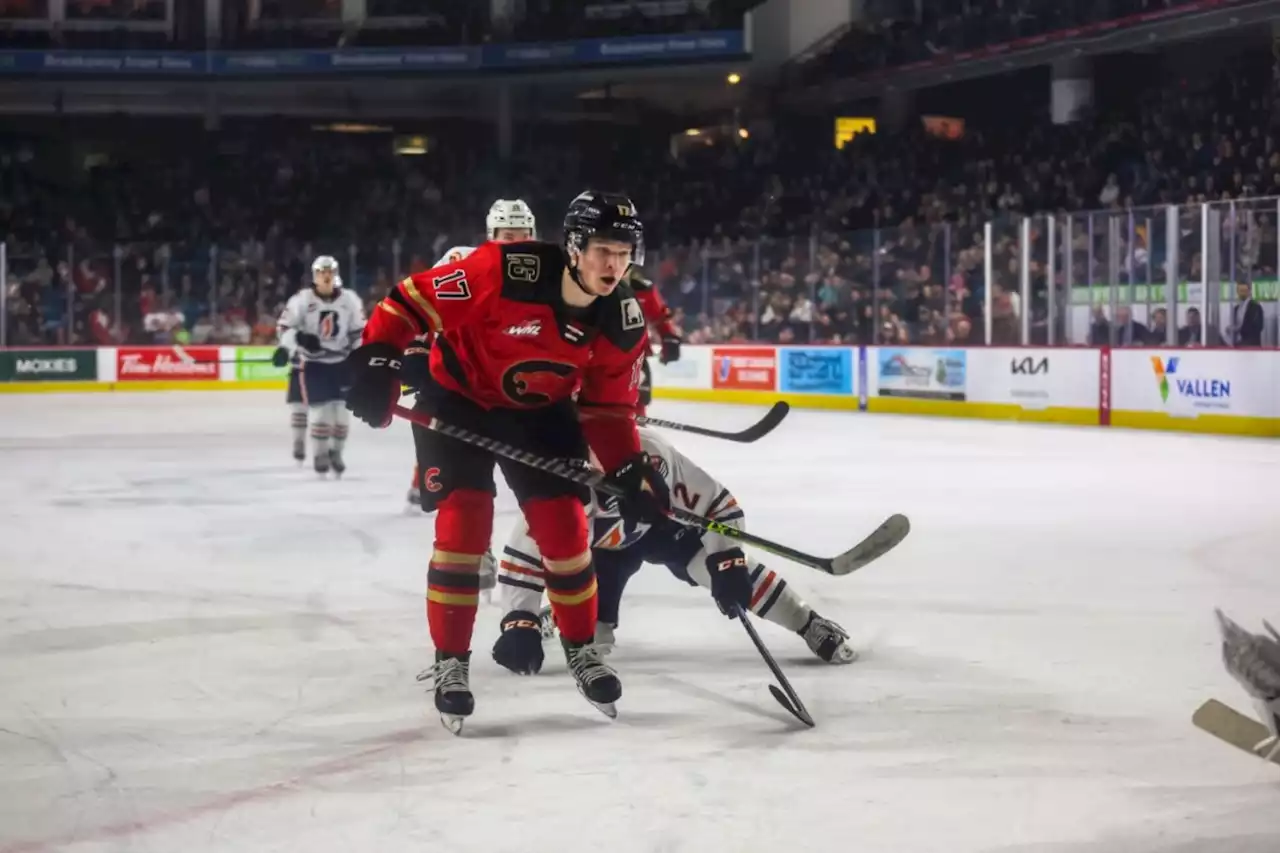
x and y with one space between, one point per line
574 602
464 525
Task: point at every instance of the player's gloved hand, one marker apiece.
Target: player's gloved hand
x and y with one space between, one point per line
374 373
415 366
670 349
309 342
645 497
280 358
519 646
730 581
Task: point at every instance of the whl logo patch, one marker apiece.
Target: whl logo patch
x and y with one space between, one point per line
531 329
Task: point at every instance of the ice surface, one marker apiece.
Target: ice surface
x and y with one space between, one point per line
203 648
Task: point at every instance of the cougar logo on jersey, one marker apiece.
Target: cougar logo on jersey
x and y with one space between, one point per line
523 267
632 315
531 329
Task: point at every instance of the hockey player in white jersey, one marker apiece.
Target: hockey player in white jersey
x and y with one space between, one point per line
696 557
508 221
321 326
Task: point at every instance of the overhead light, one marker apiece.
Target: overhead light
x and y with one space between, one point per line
693 131
743 132
734 79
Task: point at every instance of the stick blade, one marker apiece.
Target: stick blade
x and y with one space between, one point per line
1230 726
800 714
881 541
767 424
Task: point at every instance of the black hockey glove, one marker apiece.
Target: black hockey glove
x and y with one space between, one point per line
645 497
730 581
280 358
374 373
309 342
415 367
670 350
519 646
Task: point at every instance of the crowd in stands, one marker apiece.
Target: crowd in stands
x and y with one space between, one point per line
179 233
895 33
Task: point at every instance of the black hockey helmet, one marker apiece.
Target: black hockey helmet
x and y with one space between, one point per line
610 216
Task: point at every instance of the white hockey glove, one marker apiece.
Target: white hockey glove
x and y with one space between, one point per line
1254 661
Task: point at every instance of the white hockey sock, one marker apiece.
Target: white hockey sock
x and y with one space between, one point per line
321 429
336 413
773 600
298 421
520 581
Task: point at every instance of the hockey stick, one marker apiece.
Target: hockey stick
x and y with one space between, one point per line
755 432
881 541
786 696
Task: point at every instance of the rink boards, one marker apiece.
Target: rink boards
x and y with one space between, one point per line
1197 390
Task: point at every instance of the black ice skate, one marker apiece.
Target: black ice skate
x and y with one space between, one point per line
826 639
335 461
451 681
596 680
413 500
300 452
322 464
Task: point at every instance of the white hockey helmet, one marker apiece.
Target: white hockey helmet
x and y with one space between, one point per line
324 262
510 213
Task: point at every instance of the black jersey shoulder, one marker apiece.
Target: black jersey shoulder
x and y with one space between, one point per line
531 272
620 318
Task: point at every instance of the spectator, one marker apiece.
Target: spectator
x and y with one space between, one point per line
1246 318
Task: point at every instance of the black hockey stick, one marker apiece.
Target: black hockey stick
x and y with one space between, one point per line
755 432
786 696
881 541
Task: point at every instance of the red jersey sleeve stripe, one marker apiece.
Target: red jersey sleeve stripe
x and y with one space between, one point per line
400 315
400 301
410 289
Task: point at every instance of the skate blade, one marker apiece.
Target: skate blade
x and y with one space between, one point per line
453 723
609 709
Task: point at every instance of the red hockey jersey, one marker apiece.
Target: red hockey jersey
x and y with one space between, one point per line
505 338
655 308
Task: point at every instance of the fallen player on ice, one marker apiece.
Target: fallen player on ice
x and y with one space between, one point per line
1253 660
620 547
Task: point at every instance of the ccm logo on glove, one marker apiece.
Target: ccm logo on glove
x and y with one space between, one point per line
735 562
380 361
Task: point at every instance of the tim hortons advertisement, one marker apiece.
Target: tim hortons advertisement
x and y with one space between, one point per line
744 368
142 364
931 374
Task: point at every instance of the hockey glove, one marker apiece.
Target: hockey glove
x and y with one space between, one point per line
730 581
670 350
280 358
519 646
645 497
416 365
374 373
309 342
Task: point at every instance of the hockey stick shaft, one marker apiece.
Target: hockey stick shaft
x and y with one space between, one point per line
755 432
792 703
880 541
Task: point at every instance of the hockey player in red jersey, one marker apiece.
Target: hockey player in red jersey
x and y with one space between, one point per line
519 327
657 315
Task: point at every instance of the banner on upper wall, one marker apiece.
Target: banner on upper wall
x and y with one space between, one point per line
252 364
931 374
744 368
818 370
48 365
143 364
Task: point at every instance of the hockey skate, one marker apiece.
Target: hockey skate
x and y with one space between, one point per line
322 464
335 462
604 631
300 452
413 501
451 682
596 680
826 639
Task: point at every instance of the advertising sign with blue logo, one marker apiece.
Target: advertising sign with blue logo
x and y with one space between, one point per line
822 370
936 374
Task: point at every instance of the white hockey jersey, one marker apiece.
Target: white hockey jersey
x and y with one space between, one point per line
338 323
691 488
455 254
